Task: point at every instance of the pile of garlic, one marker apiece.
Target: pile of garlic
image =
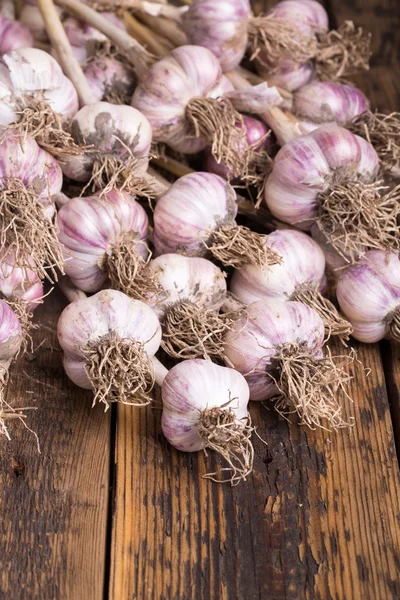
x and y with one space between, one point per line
154 266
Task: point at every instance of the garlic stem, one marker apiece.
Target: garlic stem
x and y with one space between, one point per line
61 44
160 372
172 166
69 290
144 35
135 53
168 28
160 184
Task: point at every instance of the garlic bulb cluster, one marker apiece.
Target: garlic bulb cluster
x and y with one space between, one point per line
190 293
278 347
13 35
119 139
109 79
369 295
108 342
299 276
219 26
205 407
29 178
196 217
104 236
329 177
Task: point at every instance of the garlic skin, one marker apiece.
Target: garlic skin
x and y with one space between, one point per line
93 319
324 101
28 71
303 264
307 166
186 215
109 77
193 386
219 26
19 283
13 35
253 342
167 87
117 130
287 76
10 337
187 279
90 226
369 296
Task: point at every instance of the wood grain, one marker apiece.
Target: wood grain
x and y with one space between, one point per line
53 505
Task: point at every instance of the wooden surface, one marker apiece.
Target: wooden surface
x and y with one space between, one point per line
109 511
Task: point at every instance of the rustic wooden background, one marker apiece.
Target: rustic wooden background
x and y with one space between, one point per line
109 511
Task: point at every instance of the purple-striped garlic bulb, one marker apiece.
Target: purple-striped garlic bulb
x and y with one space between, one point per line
257 140
196 217
300 275
369 295
278 347
119 139
29 178
328 177
104 238
109 79
109 341
190 295
37 96
10 345
205 407
13 35
219 26
182 95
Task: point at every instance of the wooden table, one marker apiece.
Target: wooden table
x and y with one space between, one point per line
109 510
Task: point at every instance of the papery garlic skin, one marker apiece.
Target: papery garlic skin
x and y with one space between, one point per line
10 336
219 26
116 130
90 226
307 165
21 158
303 264
19 283
255 340
108 76
186 215
93 319
369 293
168 86
193 386
187 279
325 101
28 71
13 35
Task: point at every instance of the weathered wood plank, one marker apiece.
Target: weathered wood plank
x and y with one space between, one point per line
53 505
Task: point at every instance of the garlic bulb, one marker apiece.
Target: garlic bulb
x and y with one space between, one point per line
299 276
196 217
10 344
190 293
29 177
277 346
121 137
109 79
205 407
104 236
13 35
369 295
219 26
328 177
108 342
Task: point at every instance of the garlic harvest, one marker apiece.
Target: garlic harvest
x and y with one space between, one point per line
219 26
13 35
104 236
299 276
120 139
196 217
191 292
369 295
36 95
29 178
205 407
329 177
182 95
109 341
278 349
10 344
